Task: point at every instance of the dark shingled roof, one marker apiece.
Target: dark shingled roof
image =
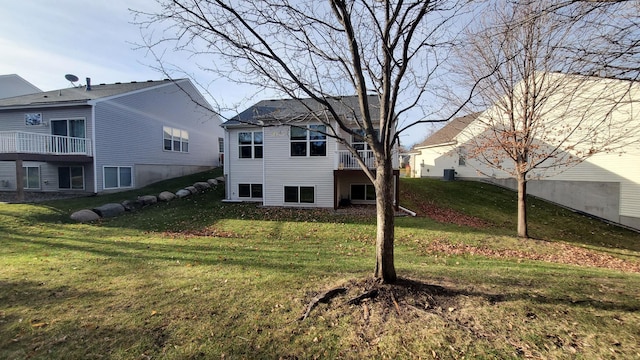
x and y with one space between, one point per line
77 95
285 110
448 132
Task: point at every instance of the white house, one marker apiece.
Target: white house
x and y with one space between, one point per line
271 162
438 153
106 137
606 184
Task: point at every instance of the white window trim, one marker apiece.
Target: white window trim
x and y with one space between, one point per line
361 201
84 185
253 145
315 195
26 174
308 142
104 180
67 119
250 191
172 140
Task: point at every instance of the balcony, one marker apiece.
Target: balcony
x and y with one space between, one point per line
345 160
34 144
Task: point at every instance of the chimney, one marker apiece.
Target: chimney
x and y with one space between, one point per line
88 84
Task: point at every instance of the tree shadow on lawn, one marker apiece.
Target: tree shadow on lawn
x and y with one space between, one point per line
184 251
36 323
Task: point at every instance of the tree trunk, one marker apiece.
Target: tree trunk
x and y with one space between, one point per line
385 268
522 206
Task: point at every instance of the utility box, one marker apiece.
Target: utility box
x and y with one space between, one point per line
449 174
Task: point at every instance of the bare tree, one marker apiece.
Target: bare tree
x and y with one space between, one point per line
541 118
319 50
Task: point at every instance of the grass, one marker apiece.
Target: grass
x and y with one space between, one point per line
198 278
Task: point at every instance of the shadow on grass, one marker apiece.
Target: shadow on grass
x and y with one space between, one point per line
36 332
226 251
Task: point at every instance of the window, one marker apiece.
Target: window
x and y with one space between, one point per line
66 131
31 177
71 177
299 194
221 145
462 157
358 141
117 177
309 141
175 139
250 190
363 192
250 144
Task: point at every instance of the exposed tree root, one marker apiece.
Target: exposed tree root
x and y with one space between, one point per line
323 297
367 295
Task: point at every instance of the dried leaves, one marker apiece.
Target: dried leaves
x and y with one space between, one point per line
558 253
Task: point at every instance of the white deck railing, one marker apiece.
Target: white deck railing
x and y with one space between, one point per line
33 143
346 160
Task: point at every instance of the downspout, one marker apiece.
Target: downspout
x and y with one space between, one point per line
226 165
93 147
264 176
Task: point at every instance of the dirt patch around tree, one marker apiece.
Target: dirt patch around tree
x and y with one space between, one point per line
369 298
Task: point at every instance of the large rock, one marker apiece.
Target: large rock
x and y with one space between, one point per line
220 179
109 210
212 182
130 205
166 196
85 215
191 189
147 199
183 193
202 186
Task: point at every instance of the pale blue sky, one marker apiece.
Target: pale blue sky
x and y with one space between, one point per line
42 40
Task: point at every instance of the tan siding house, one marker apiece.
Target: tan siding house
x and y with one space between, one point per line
606 185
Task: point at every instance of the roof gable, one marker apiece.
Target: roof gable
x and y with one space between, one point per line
12 85
448 132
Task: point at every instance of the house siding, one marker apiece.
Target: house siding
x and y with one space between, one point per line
13 120
605 185
242 171
129 132
282 169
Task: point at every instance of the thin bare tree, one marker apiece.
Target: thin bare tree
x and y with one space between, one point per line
320 50
542 115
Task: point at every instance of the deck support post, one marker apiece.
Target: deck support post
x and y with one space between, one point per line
19 182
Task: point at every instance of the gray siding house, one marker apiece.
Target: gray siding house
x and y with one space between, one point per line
106 137
277 155
13 85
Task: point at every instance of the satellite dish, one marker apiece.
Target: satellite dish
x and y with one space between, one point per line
71 77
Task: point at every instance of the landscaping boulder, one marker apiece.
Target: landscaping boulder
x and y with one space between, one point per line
130 205
202 186
166 196
191 189
220 179
147 199
212 182
183 193
109 210
85 215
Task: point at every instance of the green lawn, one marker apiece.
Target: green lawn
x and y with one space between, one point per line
198 278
